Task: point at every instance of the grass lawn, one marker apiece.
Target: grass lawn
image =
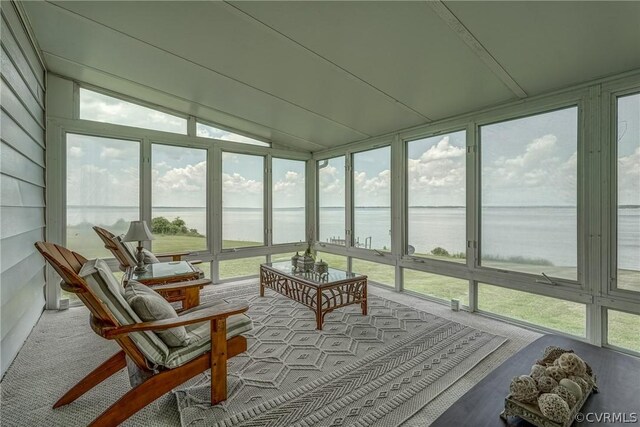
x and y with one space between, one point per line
624 329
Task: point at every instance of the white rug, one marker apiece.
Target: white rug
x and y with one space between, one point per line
62 349
377 369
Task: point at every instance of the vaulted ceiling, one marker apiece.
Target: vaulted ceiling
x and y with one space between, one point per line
314 75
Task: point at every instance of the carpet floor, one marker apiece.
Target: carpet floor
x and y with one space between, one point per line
62 349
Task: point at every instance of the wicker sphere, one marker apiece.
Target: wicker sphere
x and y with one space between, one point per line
571 363
565 394
573 387
584 386
554 407
523 389
538 371
556 372
546 383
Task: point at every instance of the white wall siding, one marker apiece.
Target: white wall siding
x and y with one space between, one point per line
22 180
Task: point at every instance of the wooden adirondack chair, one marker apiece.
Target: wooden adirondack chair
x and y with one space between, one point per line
154 382
107 238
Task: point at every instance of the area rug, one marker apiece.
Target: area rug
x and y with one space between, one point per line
359 370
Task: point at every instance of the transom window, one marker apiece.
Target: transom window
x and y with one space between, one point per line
208 131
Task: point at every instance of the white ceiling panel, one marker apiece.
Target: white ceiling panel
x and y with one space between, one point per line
222 39
68 36
551 45
402 48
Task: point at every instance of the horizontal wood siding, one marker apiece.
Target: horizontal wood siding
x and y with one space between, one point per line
22 181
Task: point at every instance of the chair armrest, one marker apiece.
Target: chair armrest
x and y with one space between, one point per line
175 256
181 285
219 311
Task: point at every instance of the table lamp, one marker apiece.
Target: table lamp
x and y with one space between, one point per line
138 232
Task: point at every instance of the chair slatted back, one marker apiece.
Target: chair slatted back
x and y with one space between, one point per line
68 264
107 238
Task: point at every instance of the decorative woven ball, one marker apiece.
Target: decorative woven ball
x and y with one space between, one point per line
523 389
584 386
571 363
573 387
556 372
565 394
551 353
554 407
537 371
545 383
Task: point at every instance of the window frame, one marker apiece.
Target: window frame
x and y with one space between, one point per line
581 227
610 107
269 143
405 183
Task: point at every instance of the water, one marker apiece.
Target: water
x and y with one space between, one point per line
531 232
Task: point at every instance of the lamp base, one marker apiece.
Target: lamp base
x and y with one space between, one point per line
140 269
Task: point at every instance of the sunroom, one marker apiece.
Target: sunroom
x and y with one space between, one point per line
455 181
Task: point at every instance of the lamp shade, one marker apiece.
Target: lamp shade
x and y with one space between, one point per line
138 231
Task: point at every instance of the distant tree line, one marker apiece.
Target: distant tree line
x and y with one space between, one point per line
177 227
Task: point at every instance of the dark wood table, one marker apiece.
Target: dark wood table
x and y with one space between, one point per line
162 275
618 378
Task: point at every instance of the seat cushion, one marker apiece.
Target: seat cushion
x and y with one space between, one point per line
200 336
149 306
126 249
106 288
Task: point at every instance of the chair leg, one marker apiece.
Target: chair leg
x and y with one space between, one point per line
218 361
101 373
145 393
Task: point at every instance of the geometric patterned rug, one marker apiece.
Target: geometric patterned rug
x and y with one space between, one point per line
374 370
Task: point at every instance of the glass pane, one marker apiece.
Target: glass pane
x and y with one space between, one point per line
529 194
242 200
629 193
623 330
207 131
103 188
552 313
380 273
288 201
335 261
241 267
372 199
332 275
331 210
206 269
107 109
436 197
179 199
435 285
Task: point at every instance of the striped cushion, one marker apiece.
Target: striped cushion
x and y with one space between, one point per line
106 288
200 337
150 306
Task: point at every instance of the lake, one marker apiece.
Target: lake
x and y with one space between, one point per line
531 232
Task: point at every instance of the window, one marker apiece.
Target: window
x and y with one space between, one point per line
552 313
242 267
380 273
628 166
436 226
242 200
437 286
289 219
623 330
331 201
207 131
179 198
103 188
372 199
529 216
107 109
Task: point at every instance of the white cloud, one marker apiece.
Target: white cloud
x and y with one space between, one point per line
75 151
629 178
112 153
236 183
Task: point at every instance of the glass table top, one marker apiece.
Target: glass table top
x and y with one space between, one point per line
333 275
163 269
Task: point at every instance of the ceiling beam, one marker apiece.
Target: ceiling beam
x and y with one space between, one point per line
458 27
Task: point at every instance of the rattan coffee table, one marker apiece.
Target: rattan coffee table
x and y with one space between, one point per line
321 293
